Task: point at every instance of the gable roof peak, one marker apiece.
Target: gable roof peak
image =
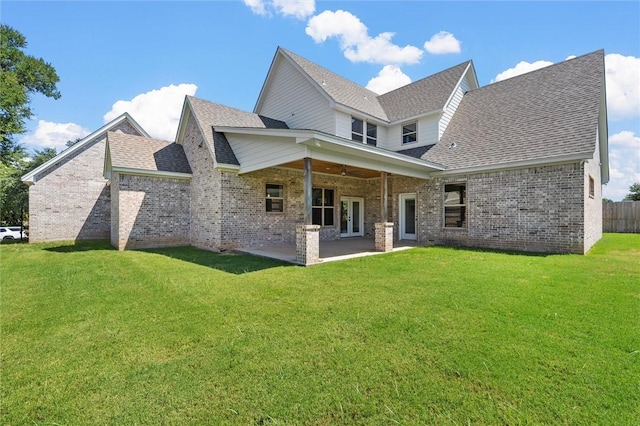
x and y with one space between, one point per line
29 178
337 88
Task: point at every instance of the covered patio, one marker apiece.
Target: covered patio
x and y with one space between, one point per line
313 152
330 251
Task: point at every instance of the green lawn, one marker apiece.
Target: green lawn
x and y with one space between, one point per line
432 335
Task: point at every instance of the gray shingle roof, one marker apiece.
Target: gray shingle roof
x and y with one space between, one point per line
545 113
340 89
417 152
138 152
224 152
429 94
210 115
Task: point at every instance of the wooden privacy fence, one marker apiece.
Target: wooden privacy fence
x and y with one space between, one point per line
622 216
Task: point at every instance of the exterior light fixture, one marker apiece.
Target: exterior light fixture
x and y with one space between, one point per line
343 172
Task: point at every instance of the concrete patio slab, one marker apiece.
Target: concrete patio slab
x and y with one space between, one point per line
330 251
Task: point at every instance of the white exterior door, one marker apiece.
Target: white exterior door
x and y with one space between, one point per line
351 217
408 216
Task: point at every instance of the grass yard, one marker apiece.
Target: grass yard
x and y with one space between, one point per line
90 335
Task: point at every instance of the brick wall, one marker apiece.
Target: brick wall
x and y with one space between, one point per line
536 209
206 206
71 200
152 211
245 221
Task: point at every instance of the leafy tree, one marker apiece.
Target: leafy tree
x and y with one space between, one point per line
634 193
71 143
607 200
14 194
21 75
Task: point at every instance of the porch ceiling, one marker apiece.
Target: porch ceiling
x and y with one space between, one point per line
320 166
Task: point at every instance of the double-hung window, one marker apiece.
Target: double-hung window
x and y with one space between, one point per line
409 133
358 128
455 205
322 206
275 198
372 134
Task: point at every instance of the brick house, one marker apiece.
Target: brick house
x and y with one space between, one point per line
514 165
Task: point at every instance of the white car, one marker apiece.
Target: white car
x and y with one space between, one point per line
11 233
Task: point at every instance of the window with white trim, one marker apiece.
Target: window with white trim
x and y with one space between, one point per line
358 127
592 187
275 198
455 205
322 206
410 132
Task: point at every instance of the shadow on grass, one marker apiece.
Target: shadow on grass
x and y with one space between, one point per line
232 263
79 246
498 251
226 262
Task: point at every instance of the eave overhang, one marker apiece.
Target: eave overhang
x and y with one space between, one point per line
326 147
545 161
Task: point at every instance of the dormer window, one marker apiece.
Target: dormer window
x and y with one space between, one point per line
358 127
409 133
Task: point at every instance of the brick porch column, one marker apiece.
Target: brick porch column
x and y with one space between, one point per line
308 244
384 236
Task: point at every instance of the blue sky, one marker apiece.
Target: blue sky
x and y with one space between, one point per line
144 56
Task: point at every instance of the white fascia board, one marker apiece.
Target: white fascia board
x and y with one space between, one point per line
455 88
362 150
106 171
262 131
184 118
275 162
224 167
357 113
338 149
29 178
378 165
438 111
603 137
151 173
561 159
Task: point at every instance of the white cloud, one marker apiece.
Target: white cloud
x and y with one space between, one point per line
355 41
157 111
54 135
624 164
623 85
256 6
442 42
300 9
389 78
521 68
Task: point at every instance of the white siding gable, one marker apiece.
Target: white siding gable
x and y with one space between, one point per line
258 152
451 107
427 134
290 97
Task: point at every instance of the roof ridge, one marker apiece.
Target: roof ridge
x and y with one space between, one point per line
465 63
545 68
290 53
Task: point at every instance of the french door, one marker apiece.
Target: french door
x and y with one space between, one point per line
407 216
351 217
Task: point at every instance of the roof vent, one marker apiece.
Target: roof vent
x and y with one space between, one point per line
453 145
